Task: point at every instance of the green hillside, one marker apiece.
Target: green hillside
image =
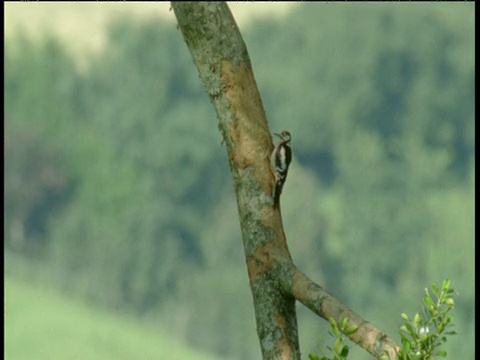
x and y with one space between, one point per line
41 324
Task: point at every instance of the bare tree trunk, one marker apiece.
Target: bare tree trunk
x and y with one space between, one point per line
222 60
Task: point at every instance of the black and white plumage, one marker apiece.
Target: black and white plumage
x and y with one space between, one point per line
280 161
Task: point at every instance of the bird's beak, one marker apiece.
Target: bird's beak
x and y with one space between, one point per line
278 135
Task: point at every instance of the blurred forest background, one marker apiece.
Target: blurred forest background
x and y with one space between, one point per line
118 193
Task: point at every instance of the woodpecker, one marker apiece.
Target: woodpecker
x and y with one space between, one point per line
280 161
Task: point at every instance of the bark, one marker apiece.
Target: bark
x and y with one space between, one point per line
223 63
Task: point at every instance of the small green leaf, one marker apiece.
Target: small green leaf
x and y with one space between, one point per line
335 329
446 284
406 347
352 330
408 328
450 292
417 319
338 346
441 353
427 300
404 338
345 351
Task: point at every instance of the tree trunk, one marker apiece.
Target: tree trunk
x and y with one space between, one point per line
222 60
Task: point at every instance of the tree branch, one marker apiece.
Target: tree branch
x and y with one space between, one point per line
324 304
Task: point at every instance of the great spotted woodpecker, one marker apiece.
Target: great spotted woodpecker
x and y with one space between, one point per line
280 161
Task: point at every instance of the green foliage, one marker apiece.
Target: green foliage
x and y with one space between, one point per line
41 84
339 351
424 333
420 336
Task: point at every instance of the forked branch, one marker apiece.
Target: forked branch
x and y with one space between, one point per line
222 60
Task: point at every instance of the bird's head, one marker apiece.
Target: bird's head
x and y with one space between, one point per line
284 135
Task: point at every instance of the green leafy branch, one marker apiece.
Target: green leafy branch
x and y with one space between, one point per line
339 351
423 334
420 337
